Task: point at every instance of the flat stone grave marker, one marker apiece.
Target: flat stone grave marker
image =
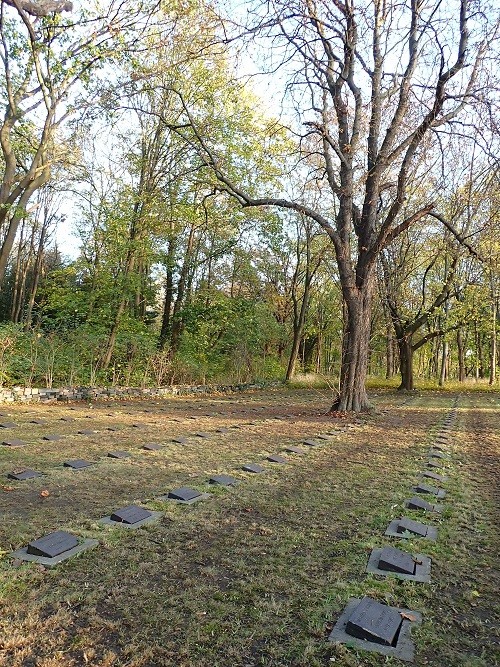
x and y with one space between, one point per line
253 467
396 560
8 425
416 503
68 419
276 458
374 622
53 544
131 515
14 443
310 443
87 431
323 436
152 447
402 564
202 434
180 440
113 429
138 426
21 475
294 450
406 527
53 548
78 464
435 464
223 480
119 455
437 454
222 430
434 475
371 626
431 490
184 494
38 422
52 437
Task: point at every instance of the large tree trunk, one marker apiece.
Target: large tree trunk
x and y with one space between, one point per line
355 350
493 343
405 346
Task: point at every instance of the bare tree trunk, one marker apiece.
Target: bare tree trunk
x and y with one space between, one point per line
406 351
461 356
355 349
182 289
166 323
298 328
493 344
389 347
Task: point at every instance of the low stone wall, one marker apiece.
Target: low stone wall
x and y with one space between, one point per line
34 394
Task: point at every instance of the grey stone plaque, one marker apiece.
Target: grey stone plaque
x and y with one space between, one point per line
138 425
310 443
14 443
374 622
275 458
86 431
437 455
78 464
396 560
180 440
68 419
436 464
152 447
294 450
24 474
186 495
113 429
418 570
433 475
202 434
53 544
415 527
431 490
223 480
222 430
406 528
8 425
252 467
38 422
52 437
417 503
130 514
22 554
119 455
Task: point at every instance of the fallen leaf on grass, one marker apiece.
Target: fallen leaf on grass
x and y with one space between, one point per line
45 493
8 488
407 617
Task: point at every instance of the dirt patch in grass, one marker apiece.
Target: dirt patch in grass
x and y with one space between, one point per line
254 576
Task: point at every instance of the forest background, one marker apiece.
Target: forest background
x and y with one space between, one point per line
153 131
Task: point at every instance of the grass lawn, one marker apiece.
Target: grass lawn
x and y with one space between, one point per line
256 575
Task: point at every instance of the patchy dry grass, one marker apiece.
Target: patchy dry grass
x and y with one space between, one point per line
256 575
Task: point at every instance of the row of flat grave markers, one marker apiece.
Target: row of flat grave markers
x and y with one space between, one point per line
58 546
370 625
79 464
